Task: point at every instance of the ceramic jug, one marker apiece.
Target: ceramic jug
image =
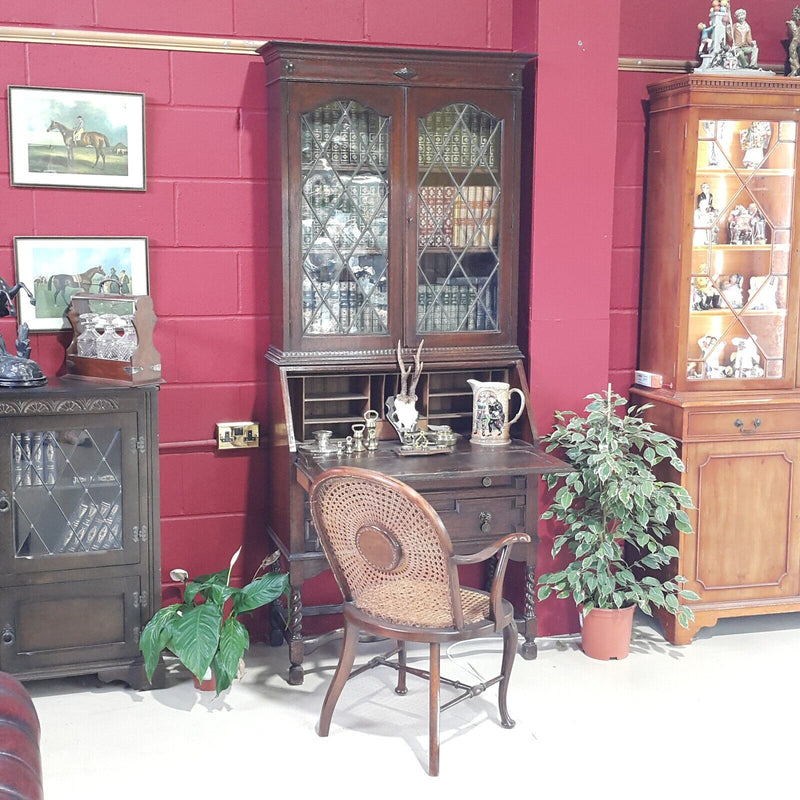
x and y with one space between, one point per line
490 422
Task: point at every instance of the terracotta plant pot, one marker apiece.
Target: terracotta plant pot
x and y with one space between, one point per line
208 684
606 632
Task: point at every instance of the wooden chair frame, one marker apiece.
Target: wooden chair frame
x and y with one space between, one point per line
499 619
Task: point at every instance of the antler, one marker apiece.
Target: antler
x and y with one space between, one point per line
405 389
417 369
403 371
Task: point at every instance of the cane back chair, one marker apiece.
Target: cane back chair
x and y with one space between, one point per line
394 563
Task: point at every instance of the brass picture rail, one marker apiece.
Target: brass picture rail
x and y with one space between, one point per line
211 44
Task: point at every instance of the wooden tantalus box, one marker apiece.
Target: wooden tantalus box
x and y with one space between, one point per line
113 339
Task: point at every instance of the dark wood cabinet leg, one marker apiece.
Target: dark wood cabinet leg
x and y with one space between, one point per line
134 675
529 650
277 624
295 637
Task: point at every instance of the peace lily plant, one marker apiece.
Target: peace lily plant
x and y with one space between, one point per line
617 516
204 631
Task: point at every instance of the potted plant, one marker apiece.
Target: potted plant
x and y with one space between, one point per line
618 521
204 631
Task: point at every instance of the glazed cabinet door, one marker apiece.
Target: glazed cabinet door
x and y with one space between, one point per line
345 249
745 544
742 326
462 199
69 492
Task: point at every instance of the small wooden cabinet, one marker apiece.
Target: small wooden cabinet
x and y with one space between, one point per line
719 322
393 198
79 550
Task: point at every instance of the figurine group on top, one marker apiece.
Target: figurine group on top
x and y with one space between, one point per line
726 43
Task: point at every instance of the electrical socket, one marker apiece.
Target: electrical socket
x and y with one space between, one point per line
232 435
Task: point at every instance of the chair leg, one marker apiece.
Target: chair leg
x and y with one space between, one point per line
509 652
339 678
433 712
401 673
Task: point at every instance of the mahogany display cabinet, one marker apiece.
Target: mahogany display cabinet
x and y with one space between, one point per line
79 550
719 322
393 198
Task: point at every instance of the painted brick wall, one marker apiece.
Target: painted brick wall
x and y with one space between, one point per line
205 214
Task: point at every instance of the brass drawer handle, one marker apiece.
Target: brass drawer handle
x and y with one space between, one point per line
485 518
740 425
487 481
4 503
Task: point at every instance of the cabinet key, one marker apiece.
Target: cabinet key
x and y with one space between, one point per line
485 518
740 425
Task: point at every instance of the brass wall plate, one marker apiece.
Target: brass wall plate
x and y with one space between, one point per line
232 435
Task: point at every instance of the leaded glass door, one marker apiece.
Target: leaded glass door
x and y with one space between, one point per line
348 264
739 290
461 275
62 495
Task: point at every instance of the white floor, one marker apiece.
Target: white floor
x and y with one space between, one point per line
717 719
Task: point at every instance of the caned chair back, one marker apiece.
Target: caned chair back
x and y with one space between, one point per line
387 548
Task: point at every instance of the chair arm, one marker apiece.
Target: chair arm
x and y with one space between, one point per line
496 589
491 549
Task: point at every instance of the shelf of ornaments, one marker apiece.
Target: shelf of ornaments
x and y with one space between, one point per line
740 248
738 313
744 175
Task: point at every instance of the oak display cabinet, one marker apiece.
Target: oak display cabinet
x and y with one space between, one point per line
393 195
79 550
719 322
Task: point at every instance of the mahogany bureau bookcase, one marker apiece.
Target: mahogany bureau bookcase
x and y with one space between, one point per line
393 212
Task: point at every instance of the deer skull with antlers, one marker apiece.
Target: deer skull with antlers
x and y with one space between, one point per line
402 407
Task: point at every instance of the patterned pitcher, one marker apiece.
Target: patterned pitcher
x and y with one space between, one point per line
490 422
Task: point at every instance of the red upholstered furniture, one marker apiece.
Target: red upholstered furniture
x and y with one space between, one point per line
20 760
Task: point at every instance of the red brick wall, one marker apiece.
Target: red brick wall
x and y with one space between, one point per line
205 214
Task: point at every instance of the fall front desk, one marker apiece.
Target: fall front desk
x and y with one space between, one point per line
480 493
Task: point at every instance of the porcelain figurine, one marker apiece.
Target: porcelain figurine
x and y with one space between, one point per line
794 29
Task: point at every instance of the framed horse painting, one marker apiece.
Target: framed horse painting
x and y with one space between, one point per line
56 268
76 139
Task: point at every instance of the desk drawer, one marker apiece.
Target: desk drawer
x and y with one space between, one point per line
744 421
464 516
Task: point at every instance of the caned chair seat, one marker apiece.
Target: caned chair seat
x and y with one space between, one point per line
394 563
421 604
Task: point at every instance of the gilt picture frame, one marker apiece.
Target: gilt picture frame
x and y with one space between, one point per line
71 138
55 268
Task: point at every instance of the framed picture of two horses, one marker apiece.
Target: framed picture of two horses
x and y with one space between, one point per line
55 268
76 139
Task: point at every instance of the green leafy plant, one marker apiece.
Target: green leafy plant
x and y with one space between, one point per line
204 631
617 516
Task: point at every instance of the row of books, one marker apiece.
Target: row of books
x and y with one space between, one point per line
459 136
460 304
91 528
465 218
344 135
337 307
33 456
